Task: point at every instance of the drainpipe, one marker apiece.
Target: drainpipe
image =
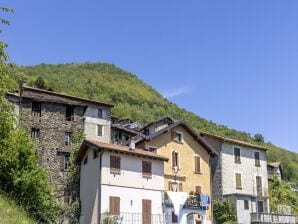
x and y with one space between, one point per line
99 186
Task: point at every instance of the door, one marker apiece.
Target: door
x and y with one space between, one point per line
260 207
146 211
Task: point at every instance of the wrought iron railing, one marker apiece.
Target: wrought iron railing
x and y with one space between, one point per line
258 218
131 218
192 202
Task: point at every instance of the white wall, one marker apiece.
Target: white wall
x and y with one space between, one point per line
131 173
92 120
89 180
247 169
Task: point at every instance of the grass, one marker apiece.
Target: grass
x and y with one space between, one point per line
12 214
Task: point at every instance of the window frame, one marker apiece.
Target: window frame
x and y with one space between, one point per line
36 111
257 161
69 112
98 128
199 171
35 133
114 167
114 210
246 204
237 186
201 188
179 137
67 135
100 113
176 163
146 165
236 158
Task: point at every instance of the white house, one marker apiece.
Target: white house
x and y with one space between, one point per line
120 184
239 174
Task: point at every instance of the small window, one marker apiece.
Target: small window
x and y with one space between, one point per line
198 189
99 113
95 154
146 132
147 168
115 164
257 158
174 217
35 133
237 155
260 206
99 130
86 160
238 181
36 109
66 161
179 137
197 164
175 159
67 138
69 114
246 205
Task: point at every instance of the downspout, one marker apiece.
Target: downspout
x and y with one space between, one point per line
99 186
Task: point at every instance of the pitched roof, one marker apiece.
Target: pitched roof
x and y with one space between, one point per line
188 128
275 165
161 119
238 142
132 131
115 148
62 95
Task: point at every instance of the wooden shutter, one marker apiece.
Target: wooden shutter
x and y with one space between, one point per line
238 181
114 205
197 164
146 210
147 168
115 163
246 205
198 189
180 187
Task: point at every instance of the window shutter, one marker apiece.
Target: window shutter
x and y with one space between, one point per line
146 209
173 158
170 186
180 187
114 205
61 162
238 180
198 189
197 164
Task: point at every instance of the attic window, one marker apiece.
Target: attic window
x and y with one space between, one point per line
69 114
99 113
36 109
179 137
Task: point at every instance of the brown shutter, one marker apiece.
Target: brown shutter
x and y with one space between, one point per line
61 157
114 205
146 210
238 180
173 158
197 164
180 187
198 189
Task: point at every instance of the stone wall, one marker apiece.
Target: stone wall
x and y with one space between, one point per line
52 148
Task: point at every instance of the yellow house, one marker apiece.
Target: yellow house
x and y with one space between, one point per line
187 173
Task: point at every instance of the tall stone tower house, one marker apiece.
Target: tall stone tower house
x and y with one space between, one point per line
52 120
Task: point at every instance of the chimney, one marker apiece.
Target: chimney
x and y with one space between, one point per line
132 145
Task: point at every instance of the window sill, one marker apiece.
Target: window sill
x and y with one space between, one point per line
148 176
239 162
197 172
257 165
114 171
239 188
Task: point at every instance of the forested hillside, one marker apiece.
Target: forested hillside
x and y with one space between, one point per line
136 100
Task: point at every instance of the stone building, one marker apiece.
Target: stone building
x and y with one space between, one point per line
239 173
52 119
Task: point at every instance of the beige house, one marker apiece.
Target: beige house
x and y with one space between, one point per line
187 173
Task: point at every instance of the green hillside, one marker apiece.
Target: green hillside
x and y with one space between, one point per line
11 214
136 100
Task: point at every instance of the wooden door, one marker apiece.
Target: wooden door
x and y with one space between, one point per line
146 211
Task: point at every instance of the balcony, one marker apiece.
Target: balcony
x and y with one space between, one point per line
192 202
131 218
268 218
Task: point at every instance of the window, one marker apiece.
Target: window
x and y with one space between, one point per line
197 164
175 159
146 132
114 205
35 133
198 189
67 138
237 155
246 205
259 185
36 109
99 130
179 137
65 162
99 113
152 149
257 158
180 187
260 207
175 186
147 168
95 154
69 113
174 217
238 181
86 160
115 164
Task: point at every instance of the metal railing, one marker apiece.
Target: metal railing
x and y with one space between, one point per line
272 218
131 218
192 202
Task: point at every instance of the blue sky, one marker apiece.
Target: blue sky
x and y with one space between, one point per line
232 62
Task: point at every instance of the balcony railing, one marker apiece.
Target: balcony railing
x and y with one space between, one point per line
258 218
131 218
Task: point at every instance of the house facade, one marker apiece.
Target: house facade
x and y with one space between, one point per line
52 119
119 184
187 174
239 173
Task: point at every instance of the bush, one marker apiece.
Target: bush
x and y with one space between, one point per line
224 212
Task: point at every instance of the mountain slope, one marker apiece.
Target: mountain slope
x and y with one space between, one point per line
136 100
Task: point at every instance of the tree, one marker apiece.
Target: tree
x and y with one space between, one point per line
40 83
259 138
224 212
